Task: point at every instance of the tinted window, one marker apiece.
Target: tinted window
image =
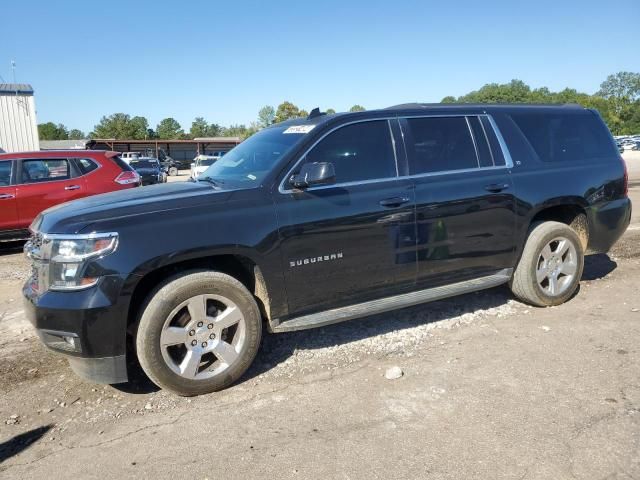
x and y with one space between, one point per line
362 151
136 164
559 137
5 173
44 170
485 157
121 163
86 165
496 149
440 144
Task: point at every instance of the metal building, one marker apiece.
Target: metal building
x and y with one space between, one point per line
18 127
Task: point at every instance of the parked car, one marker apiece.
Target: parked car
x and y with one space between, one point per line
128 156
34 181
201 163
321 220
149 169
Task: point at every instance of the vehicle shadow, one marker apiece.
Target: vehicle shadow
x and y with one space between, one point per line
11 248
597 266
21 442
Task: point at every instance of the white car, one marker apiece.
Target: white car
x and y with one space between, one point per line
128 156
201 163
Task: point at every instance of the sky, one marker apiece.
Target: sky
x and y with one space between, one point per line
224 60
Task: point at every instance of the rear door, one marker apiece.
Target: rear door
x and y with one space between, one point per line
354 239
43 183
8 210
465 202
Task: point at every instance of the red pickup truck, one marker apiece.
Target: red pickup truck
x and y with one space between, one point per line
31 182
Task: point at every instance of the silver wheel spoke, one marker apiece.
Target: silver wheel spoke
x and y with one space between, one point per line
229 317
553 284
541 274
197 307
173 336
546 253
225 352
189 364
563 246
569 268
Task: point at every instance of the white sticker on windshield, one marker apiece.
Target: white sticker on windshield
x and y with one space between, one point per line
299 129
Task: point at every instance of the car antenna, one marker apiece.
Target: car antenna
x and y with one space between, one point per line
315 113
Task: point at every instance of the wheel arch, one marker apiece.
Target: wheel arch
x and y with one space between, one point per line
244 268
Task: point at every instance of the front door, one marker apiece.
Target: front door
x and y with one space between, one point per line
43 183
352 240
465 199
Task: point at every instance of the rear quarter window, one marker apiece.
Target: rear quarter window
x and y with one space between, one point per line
121 163
565 137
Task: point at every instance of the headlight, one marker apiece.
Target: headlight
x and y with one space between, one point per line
59 261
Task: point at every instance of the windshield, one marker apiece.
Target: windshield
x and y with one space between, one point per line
250 161
207 162
143 164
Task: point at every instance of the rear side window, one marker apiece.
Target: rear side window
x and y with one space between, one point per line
86 165
5 173
362 151
563 137
440 144
45 170
121 163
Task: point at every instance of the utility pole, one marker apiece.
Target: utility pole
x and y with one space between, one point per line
13 70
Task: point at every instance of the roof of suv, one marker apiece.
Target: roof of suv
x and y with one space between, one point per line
412 108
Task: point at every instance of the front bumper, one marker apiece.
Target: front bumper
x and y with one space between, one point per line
88 326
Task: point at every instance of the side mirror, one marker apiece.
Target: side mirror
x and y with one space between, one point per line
312 174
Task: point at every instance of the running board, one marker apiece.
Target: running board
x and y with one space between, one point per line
391 303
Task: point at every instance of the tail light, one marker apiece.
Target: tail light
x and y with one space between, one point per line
128 177
625 181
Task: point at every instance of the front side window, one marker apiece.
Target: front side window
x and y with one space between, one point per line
34 171
439 144
5 173
362 151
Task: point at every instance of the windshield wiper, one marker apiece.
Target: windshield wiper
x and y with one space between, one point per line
212 181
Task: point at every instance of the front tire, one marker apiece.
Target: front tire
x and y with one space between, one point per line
198 333
551 265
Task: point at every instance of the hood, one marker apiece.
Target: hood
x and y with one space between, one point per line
126 205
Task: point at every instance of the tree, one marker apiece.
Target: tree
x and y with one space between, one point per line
330 111
266 116
76 134
199 128
357 108
287 110
51 131
169 129
121 126
622 89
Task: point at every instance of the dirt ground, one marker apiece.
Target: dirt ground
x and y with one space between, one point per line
491 388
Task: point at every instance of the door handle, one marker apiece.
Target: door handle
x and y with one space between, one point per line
496 187
6 196
394 202
72 187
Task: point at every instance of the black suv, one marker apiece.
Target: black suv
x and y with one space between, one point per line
319 220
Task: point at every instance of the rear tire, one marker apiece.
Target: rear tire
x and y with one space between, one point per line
173 171
551 265
198 332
